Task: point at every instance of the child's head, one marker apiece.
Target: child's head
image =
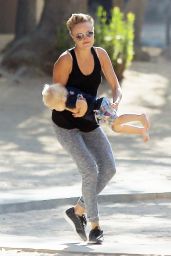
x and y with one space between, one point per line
54 96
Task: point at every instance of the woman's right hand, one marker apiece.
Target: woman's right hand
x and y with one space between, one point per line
81 107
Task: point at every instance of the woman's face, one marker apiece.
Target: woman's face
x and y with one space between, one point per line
83 35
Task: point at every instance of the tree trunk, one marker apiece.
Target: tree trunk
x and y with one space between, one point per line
137 7
168 24
40 48
118 3
167 51
25 18
107 5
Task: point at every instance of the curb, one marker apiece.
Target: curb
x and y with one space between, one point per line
53 203
67 253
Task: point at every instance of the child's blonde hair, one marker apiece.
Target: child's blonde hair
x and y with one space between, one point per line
53 93
77 18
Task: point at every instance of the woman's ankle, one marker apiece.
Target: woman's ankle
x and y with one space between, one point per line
95 225
79 210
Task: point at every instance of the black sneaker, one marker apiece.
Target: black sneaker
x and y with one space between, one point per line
79 222
96 236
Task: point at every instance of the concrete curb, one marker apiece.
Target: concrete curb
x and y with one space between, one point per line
53 203
67 253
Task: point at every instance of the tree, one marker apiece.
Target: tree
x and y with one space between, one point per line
168 23
25 18
167 52
107 5
137 7
39 48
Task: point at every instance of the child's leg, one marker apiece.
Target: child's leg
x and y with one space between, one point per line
120 125
126 118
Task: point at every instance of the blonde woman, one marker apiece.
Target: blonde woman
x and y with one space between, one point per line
81 68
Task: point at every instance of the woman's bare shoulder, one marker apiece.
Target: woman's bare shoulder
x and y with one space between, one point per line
64 62
101 51
64 58
102 54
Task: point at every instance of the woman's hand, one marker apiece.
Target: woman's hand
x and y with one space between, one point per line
81 107
115 105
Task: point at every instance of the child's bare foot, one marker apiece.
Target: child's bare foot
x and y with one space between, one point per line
146 136
145 121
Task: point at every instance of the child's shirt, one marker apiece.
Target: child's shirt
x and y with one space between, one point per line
93 103
99 109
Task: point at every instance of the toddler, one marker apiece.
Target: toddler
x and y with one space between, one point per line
98 110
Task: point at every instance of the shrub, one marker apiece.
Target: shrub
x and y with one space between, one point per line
116 36
63 39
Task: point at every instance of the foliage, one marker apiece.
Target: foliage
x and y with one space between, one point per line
63 40
116 36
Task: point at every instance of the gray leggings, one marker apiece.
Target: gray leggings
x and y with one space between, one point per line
93 156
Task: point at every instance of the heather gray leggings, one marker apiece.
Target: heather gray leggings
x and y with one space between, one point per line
93 156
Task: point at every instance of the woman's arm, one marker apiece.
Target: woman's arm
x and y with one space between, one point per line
110 75
62 68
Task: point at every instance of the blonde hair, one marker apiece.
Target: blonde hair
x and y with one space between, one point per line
77 18
53 92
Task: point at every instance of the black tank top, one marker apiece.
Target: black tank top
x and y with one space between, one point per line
86 83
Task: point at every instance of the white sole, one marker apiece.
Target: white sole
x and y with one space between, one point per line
72 225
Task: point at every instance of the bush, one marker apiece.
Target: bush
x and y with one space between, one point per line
116 36
64 41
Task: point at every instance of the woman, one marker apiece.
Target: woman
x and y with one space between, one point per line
85 141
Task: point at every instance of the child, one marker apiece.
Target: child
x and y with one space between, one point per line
98 110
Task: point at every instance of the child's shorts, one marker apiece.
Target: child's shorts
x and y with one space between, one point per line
106 114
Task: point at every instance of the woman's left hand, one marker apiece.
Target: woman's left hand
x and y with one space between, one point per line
115 105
